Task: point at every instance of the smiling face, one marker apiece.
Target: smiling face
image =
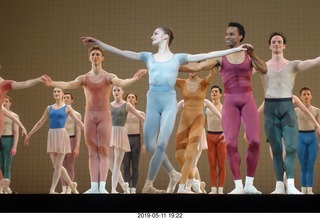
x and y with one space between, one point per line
232 37
215 93
277 44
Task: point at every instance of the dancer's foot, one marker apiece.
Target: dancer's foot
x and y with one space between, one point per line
237 191
174 180
149 189
250 189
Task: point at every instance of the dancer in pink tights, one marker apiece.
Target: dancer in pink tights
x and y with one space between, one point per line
97 85
239 104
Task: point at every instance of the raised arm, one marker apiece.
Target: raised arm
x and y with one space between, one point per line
37 126
109 48
258 64
304 109
62 84
127 82
210 106
211 75
25 84
214 54
8 114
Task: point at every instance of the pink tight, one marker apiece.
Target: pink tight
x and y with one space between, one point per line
97 134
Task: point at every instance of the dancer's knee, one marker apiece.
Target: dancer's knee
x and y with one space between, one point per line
103 150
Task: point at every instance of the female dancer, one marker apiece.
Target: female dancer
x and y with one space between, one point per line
58 143
119 138
163 68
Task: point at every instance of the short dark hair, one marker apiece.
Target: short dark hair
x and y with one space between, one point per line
95 48
216 86
68 93
305 88
240 29
277 34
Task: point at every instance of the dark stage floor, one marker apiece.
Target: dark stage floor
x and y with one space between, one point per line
115 203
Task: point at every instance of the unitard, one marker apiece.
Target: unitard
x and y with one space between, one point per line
161 109
239 106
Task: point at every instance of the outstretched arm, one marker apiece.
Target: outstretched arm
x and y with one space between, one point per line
204 65
215 54
109 48
62 84
127 82
308 64
37 126
8 114
25 84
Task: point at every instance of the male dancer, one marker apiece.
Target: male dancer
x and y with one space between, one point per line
239 104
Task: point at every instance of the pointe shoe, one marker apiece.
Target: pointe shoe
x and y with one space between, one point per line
149 189
69 191
174 180
73 187
250 189
114 191
196 186
6 188
203 186
64 190
126 188
52 192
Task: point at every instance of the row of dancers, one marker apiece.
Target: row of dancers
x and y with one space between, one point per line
236 66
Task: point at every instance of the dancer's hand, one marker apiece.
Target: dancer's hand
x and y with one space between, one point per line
89 41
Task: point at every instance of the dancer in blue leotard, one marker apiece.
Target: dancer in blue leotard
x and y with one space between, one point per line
163 68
